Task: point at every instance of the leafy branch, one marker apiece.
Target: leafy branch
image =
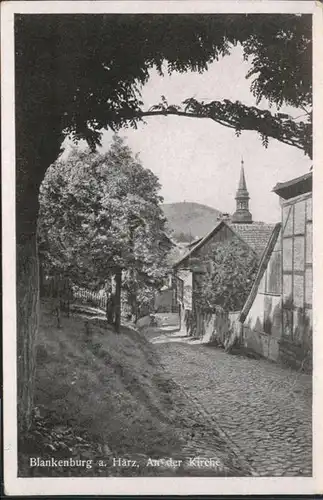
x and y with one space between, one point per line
239 117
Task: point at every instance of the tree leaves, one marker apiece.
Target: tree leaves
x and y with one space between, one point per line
231 268
239 117
100 212
88 70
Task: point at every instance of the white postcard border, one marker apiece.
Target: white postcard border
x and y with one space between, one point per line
141 486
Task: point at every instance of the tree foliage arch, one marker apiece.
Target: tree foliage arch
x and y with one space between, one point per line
79 74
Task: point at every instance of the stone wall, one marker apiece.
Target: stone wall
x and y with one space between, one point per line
221 328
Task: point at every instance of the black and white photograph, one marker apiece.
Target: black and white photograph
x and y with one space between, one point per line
158 164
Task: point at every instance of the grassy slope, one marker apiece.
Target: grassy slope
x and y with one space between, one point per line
190 217
106 394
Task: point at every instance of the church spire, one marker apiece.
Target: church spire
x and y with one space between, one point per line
242 182
242 214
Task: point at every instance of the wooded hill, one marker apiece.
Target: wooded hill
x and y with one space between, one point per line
189 220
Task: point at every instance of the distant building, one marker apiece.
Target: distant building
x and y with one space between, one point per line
164 300
254 235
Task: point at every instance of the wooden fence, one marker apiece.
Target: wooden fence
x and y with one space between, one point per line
99 299
171 308
96 299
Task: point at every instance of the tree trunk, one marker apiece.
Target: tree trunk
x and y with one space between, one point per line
42 281
32 161
117 307
38 141
27 326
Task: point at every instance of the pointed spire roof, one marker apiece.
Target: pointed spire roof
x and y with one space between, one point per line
242 214
242 181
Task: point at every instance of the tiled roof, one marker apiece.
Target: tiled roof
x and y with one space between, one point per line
256 234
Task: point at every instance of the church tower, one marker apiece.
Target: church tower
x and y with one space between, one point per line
242 214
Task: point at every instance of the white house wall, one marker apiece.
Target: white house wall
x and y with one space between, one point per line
262 326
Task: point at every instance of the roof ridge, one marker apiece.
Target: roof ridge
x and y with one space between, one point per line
236 228
199 243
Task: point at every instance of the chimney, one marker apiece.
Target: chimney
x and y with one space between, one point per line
224 216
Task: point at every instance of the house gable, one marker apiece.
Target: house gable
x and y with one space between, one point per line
221 232
255 236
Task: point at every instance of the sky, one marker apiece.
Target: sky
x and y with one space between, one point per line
198 160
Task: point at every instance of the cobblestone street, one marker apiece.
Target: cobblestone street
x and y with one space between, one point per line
263 409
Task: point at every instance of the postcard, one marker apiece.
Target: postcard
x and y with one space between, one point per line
161 292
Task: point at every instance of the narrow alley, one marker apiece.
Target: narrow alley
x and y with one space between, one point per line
263 409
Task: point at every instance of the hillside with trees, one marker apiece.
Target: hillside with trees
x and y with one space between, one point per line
188 220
